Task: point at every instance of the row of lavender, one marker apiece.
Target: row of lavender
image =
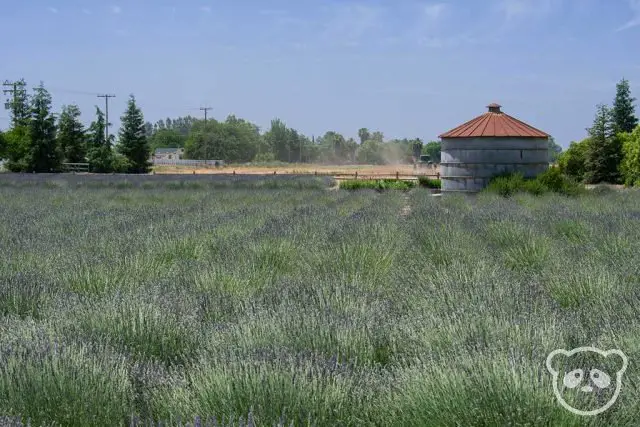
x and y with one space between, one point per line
307 306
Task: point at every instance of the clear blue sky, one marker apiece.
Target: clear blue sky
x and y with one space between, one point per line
406 68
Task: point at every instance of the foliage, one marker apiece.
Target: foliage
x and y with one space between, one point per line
17 149
433 150
99 152
3 145
552 180
376 184
425 181
623 109
180 125
555 150
44 153
364 135
604 151
572 162
132 141
234 140
71 135
370 153
119 163
630 166
264 158
166 138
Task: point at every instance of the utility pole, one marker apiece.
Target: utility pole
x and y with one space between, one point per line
106 113
18 89
205 109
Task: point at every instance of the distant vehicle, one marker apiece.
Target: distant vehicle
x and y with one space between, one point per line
425 158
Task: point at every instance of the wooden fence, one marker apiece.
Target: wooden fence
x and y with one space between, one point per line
341 175
76 167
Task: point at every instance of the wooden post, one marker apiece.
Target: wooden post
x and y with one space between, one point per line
194 172
397 175
274 172
234 173
315 173
356 174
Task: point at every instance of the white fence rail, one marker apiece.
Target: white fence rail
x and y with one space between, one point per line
183 162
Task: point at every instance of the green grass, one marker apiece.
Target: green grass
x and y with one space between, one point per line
425 181
285 303
376 184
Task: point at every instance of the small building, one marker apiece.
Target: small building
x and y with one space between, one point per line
489 145
168 153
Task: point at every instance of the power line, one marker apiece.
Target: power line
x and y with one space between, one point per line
106 109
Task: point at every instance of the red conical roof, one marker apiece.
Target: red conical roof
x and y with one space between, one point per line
494 123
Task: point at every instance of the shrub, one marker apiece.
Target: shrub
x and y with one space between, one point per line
506 185
573 161
372 184
425 181
552 180
120 163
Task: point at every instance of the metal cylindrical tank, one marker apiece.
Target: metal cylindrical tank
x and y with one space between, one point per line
468 164
489 145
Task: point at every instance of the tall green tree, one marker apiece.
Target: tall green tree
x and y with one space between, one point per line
132 142
71 135
45 155
364 135
623 108
166 138
277 137
572 162
234 140
370 153
18 145
630 166
604 151
99 152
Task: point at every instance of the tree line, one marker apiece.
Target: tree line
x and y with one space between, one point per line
41 141
237 140
611 152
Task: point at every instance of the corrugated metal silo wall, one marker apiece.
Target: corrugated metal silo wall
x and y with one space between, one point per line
467 164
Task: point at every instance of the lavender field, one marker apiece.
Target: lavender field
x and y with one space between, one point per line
279 302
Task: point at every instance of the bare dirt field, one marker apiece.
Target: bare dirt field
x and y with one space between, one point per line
378 171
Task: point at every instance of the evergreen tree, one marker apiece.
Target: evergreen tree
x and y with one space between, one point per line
71 135
623 108
45 155
99 150
630 166
604 151
133 140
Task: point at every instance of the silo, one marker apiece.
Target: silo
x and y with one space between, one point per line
489 145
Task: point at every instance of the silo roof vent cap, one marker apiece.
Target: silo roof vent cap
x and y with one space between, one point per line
494 108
